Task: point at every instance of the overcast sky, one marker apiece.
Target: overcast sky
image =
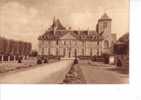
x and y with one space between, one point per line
27 19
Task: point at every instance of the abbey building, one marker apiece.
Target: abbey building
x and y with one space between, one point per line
65 42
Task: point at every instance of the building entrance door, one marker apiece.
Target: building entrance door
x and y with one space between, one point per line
68 53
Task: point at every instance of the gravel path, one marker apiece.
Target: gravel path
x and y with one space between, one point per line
53 73
13 66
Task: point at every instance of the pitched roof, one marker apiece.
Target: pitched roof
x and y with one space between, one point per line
80 35
57 30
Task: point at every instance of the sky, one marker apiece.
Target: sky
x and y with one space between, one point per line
27 19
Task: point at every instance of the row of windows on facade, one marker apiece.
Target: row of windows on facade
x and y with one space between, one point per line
68 42
87 44
64 51
63 42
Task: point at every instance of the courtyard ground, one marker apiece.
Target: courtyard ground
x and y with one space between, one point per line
85 72
95 73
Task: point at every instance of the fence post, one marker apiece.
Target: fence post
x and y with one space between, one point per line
8 58
2 58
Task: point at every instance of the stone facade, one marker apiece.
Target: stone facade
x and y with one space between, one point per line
59 41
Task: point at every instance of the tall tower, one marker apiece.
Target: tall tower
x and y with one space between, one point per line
103 28
104 24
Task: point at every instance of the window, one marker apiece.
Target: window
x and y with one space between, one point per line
75 53
104 25
57 51
57 42
106 44
64 42
82 52
91 52
64 52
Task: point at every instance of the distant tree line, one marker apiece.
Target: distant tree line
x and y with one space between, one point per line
14 48
122 45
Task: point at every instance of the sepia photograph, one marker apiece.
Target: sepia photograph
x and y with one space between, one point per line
64 42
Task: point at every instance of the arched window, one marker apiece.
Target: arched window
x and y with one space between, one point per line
106 44
112 44
104 25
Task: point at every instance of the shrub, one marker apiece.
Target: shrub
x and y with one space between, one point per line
45 60
75 61
39 61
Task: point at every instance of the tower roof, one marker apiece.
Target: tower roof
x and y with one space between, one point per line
105 17
57 25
